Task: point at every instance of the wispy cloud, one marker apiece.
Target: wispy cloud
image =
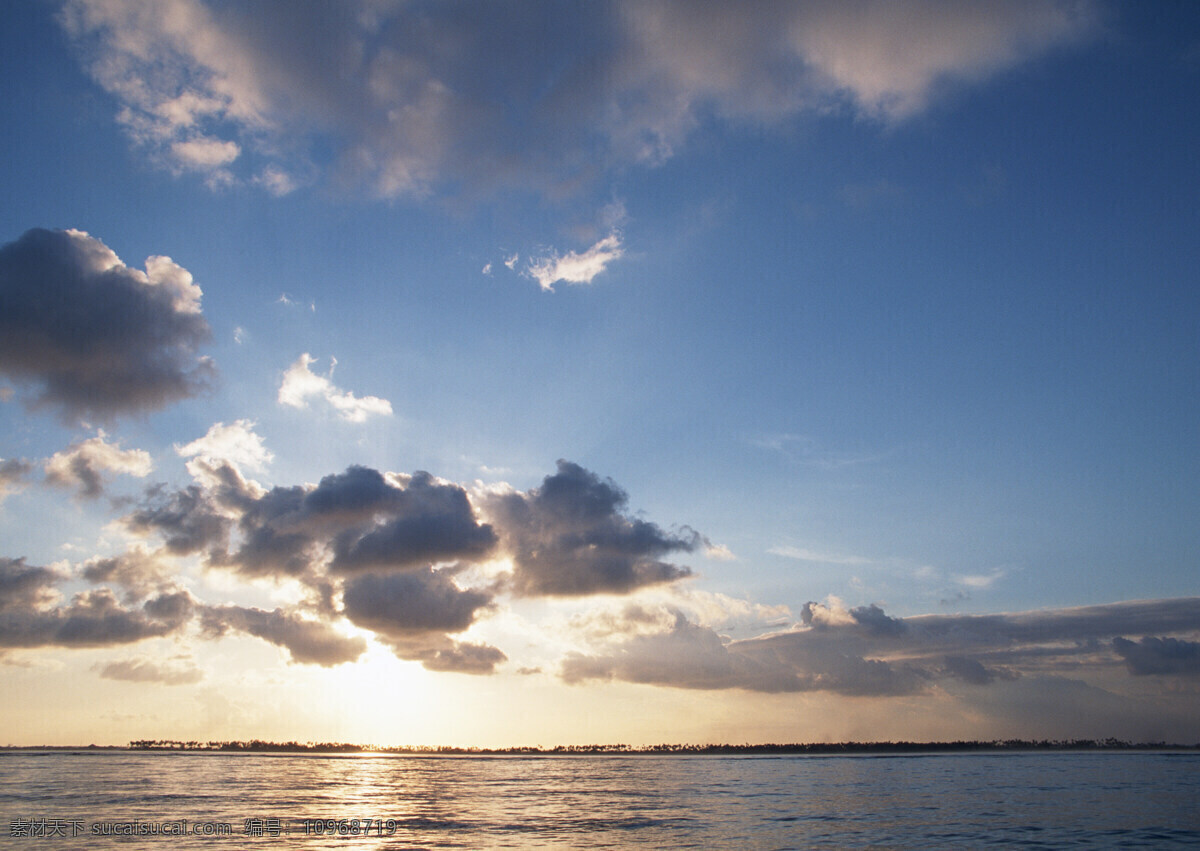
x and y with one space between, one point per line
806 450
575 267
804 554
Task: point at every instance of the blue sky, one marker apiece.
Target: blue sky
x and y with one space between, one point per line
751 353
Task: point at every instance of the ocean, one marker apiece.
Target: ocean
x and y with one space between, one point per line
123 799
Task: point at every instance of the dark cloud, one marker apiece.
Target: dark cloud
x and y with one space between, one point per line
412 603
92 336
308 642
146 671
412 612
352 521
571 537
425 522
94 619
23 587
1163 656
189 520
29 616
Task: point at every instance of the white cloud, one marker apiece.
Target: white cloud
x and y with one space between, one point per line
82 464
205 154
235 443
300 384
573 267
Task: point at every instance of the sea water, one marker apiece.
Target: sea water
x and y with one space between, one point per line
198 800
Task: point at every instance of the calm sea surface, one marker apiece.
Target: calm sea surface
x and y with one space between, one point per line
1036 800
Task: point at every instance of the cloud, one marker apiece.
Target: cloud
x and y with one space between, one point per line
405 604
12 473
236 444
189 520
974 672
405 99
147 671
412 612
308 641
1161 656
93 619
93 336
140 572
82 464
804 554
350 522
426 522
569 537
865 652
26 587
575 268
300 384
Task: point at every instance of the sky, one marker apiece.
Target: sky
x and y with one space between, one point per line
417 373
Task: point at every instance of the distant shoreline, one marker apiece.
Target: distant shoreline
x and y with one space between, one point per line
814 749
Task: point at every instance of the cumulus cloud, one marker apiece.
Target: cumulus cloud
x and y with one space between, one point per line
301 384
406 604
139 572
570 537
83 464
350 522
413 612
189 520
426 521
307 641
573 267
92 619
412 98
23 586
92 336
148 671
236 444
